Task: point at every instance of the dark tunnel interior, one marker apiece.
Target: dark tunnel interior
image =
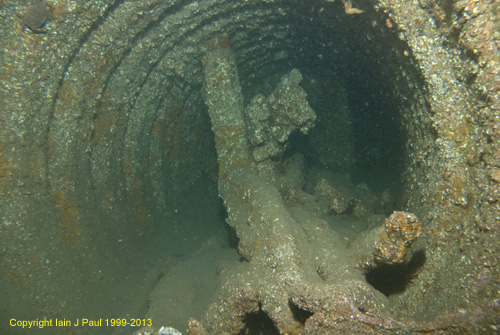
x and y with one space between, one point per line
129 173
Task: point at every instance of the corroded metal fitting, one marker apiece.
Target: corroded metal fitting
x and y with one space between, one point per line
401 229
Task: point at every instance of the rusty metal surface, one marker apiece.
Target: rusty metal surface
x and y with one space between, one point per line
104 124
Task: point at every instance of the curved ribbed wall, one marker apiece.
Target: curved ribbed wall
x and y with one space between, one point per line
106 138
